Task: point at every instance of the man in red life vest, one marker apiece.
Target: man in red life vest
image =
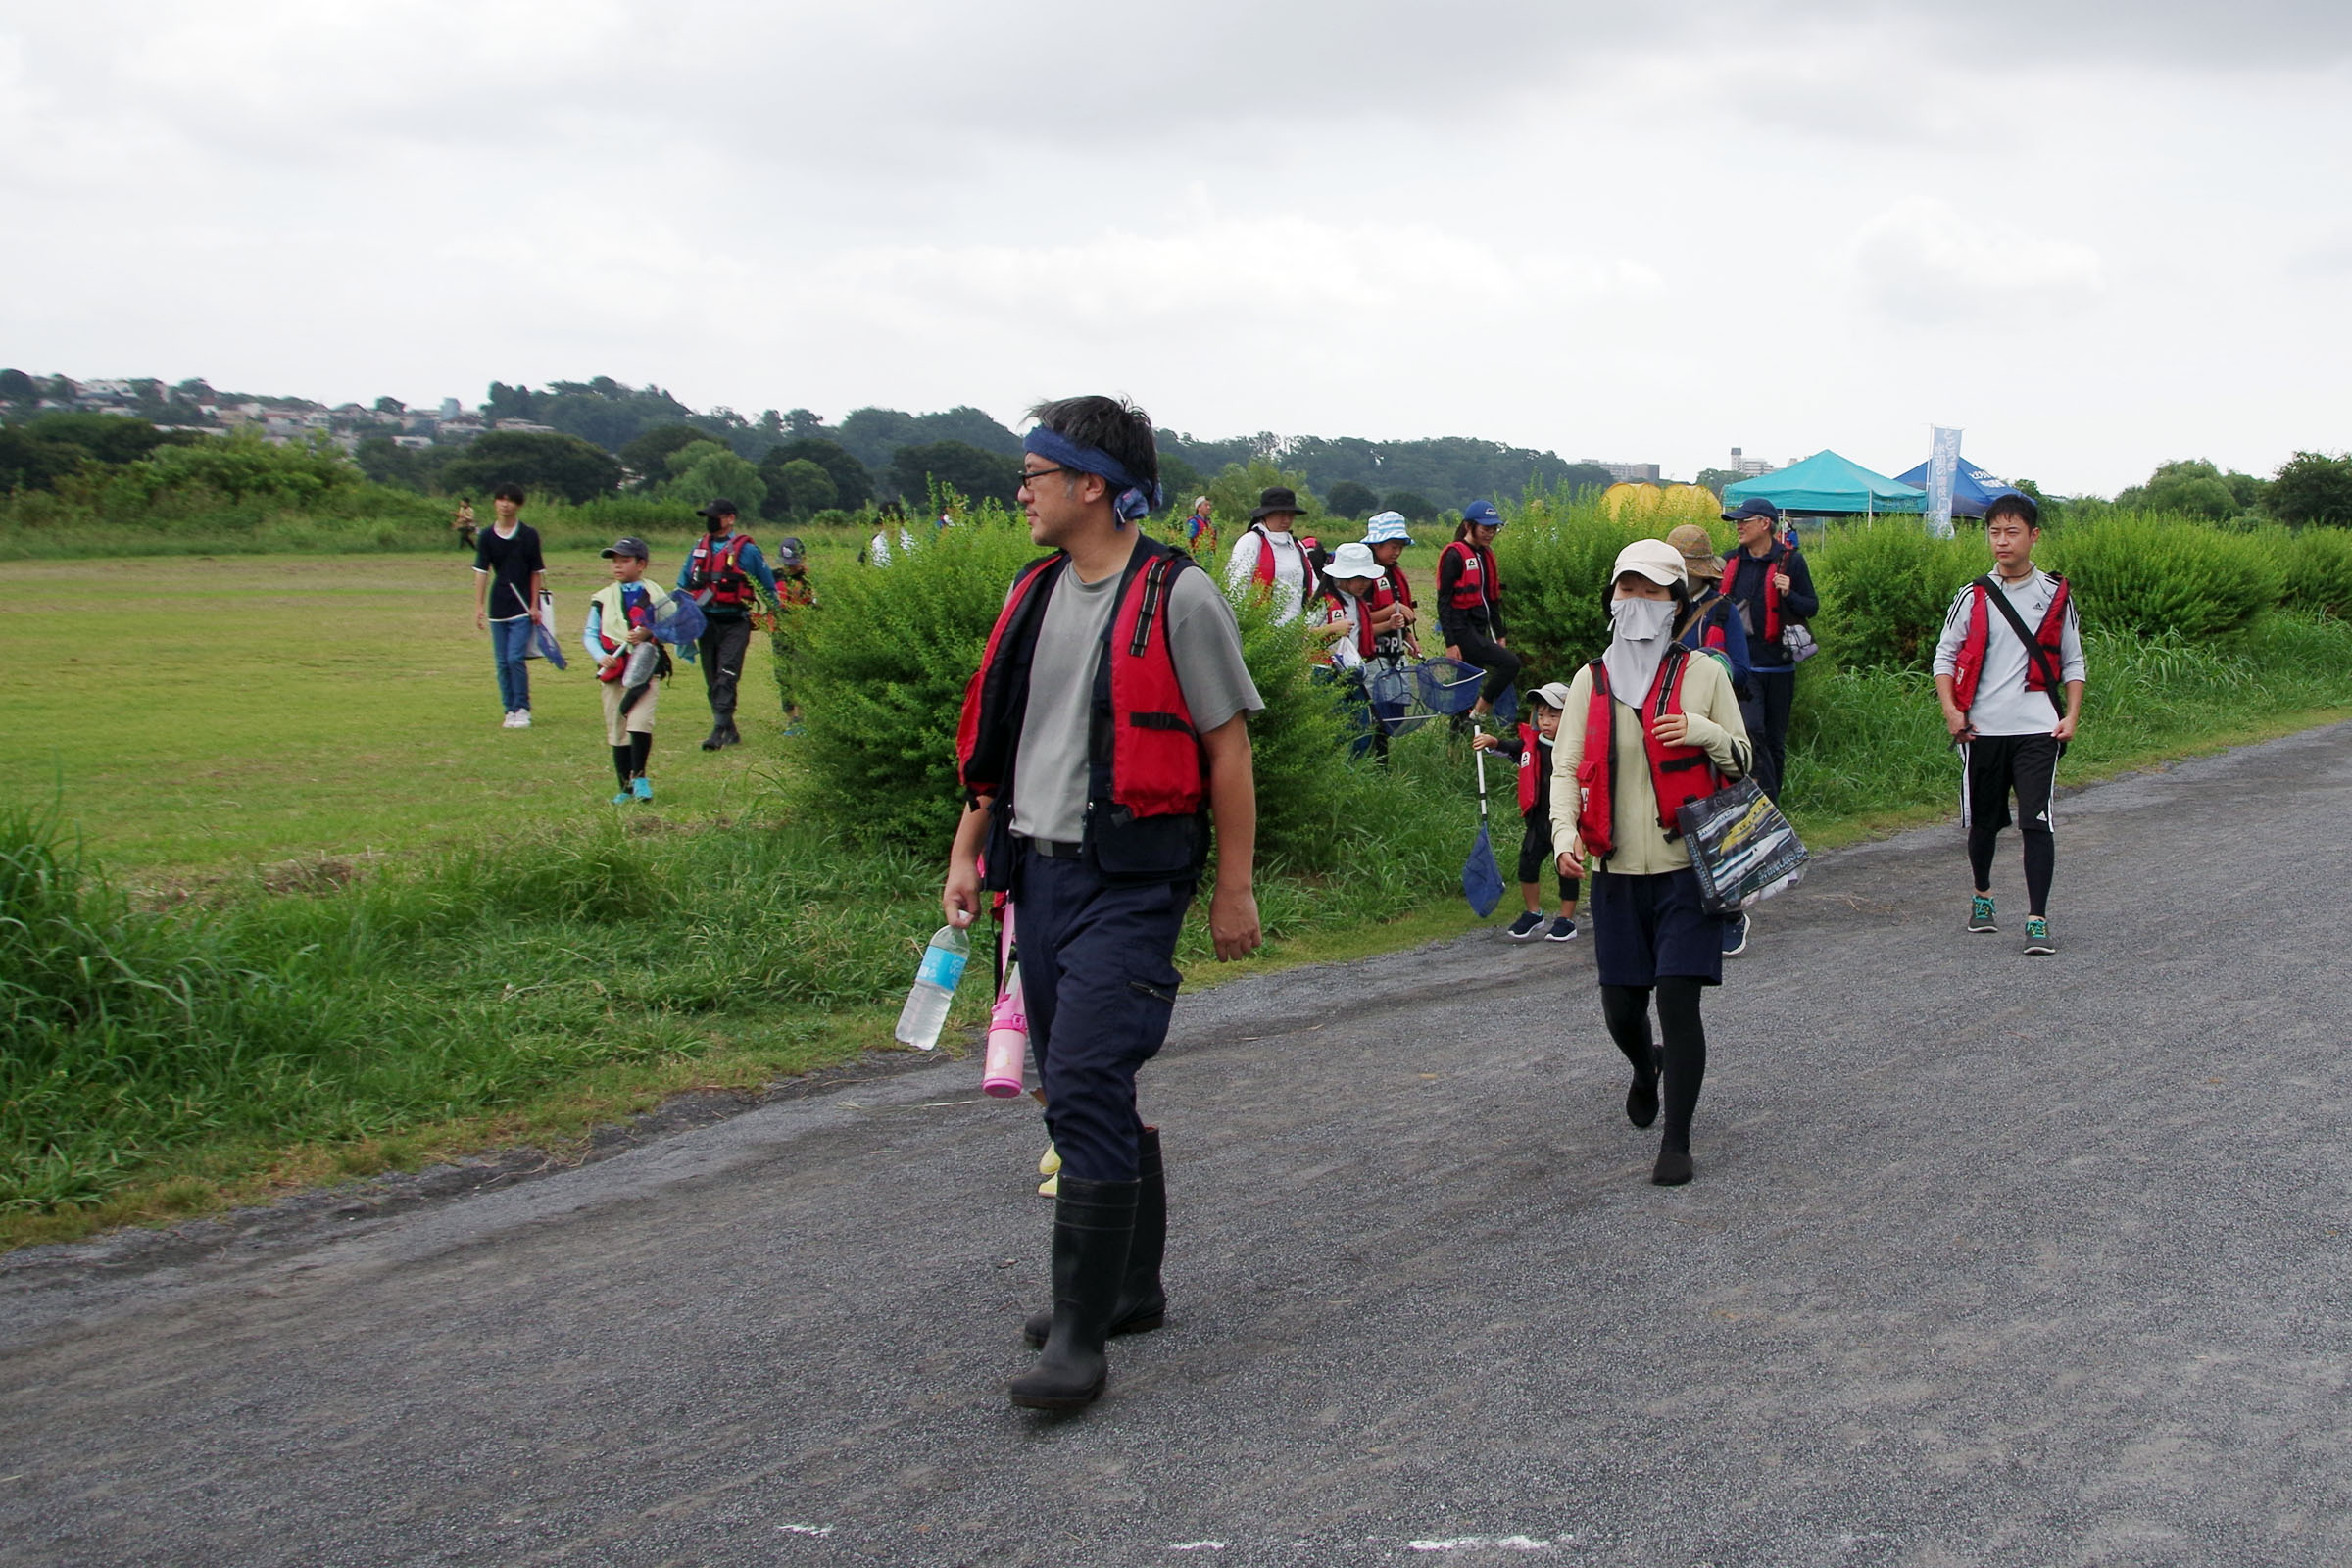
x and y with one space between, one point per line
1104 731
1771 588
2010 641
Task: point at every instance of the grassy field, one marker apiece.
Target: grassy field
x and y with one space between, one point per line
193 714
402 932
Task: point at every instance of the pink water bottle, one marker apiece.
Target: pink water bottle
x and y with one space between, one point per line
1008 1023
1008 1043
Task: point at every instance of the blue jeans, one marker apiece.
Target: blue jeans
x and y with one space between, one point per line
510 642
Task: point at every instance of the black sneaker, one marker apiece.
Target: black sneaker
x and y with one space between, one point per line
1562 929
1734 935
1525 928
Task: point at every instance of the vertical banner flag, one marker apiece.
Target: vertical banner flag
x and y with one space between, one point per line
1943 466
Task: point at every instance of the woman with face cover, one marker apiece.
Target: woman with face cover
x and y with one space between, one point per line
1648 727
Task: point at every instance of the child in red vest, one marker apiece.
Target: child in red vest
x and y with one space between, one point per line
1651 726
2009 643
1535 810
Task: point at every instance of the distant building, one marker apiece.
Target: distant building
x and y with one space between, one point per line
450 408
1633 472
526 428
1749 468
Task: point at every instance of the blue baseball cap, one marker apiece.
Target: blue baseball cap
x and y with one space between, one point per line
1482 515
1752 507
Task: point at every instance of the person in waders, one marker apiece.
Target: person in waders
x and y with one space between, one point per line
1104 733
1768 582
1710 624
2011 640
1650 727
1470 607
726 574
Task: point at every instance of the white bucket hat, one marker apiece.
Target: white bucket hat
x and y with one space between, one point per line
1386 525
1351 559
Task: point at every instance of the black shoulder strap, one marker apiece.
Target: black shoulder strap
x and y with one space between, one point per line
2033 648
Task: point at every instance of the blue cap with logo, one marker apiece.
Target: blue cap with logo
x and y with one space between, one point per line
1482 515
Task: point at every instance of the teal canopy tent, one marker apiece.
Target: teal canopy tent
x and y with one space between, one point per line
1828 483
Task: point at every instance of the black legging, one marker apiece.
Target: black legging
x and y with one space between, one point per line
2041 862
1471 635
1626 1012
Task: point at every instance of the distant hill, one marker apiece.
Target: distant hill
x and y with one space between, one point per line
1446 471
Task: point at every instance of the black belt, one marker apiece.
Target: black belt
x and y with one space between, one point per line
1054 849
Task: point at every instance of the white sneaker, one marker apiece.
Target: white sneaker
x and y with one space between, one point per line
522 718
508 723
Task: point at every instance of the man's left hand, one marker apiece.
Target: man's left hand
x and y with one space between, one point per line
2066 728
1233 921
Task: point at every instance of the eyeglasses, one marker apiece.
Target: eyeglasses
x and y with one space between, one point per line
1028 476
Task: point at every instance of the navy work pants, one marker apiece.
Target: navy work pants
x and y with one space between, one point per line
726 642
1099 977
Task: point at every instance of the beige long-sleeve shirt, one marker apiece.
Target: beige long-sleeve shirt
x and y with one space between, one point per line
1643 848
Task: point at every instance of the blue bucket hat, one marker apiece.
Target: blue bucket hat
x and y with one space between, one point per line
1482 515
1385 527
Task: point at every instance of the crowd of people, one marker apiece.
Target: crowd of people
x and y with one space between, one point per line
1104 745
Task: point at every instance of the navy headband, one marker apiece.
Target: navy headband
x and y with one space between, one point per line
1135 501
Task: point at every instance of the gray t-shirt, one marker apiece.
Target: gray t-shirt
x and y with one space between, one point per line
1048 777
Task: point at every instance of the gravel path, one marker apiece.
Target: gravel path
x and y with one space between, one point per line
1990 1260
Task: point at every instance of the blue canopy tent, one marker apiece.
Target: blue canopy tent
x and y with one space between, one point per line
1973 489
1826 482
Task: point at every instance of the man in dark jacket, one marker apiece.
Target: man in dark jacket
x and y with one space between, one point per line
1773 589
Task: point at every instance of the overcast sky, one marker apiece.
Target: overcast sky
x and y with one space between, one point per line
2096 237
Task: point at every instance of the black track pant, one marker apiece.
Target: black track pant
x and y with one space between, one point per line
1993 768
1479 648
723 646
1626 1012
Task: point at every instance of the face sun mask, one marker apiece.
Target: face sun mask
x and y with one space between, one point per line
1641 620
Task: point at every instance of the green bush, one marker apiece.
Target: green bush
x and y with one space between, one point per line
2151 575
1555 555
2315 568
880 663
1885 590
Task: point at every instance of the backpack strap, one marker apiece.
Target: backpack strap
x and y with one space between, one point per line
2040 656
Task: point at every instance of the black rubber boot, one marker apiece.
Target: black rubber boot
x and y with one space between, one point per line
1143 1301
726 734
717 738
1093 1224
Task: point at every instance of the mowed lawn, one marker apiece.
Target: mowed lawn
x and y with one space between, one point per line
195 712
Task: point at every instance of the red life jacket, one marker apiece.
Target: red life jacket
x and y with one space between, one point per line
1737 562
1146 774
639 614
718 568
1531 753
1679 774
1263 571
1397 584
2043 660
1386 590
1480 586
1335 610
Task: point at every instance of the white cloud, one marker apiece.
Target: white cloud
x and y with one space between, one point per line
1923 260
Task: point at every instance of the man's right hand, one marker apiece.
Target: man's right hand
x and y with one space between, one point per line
1955 720
959 900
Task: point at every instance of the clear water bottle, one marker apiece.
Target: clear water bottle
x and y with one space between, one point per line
927 1010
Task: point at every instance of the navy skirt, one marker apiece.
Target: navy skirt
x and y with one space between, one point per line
1647 927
